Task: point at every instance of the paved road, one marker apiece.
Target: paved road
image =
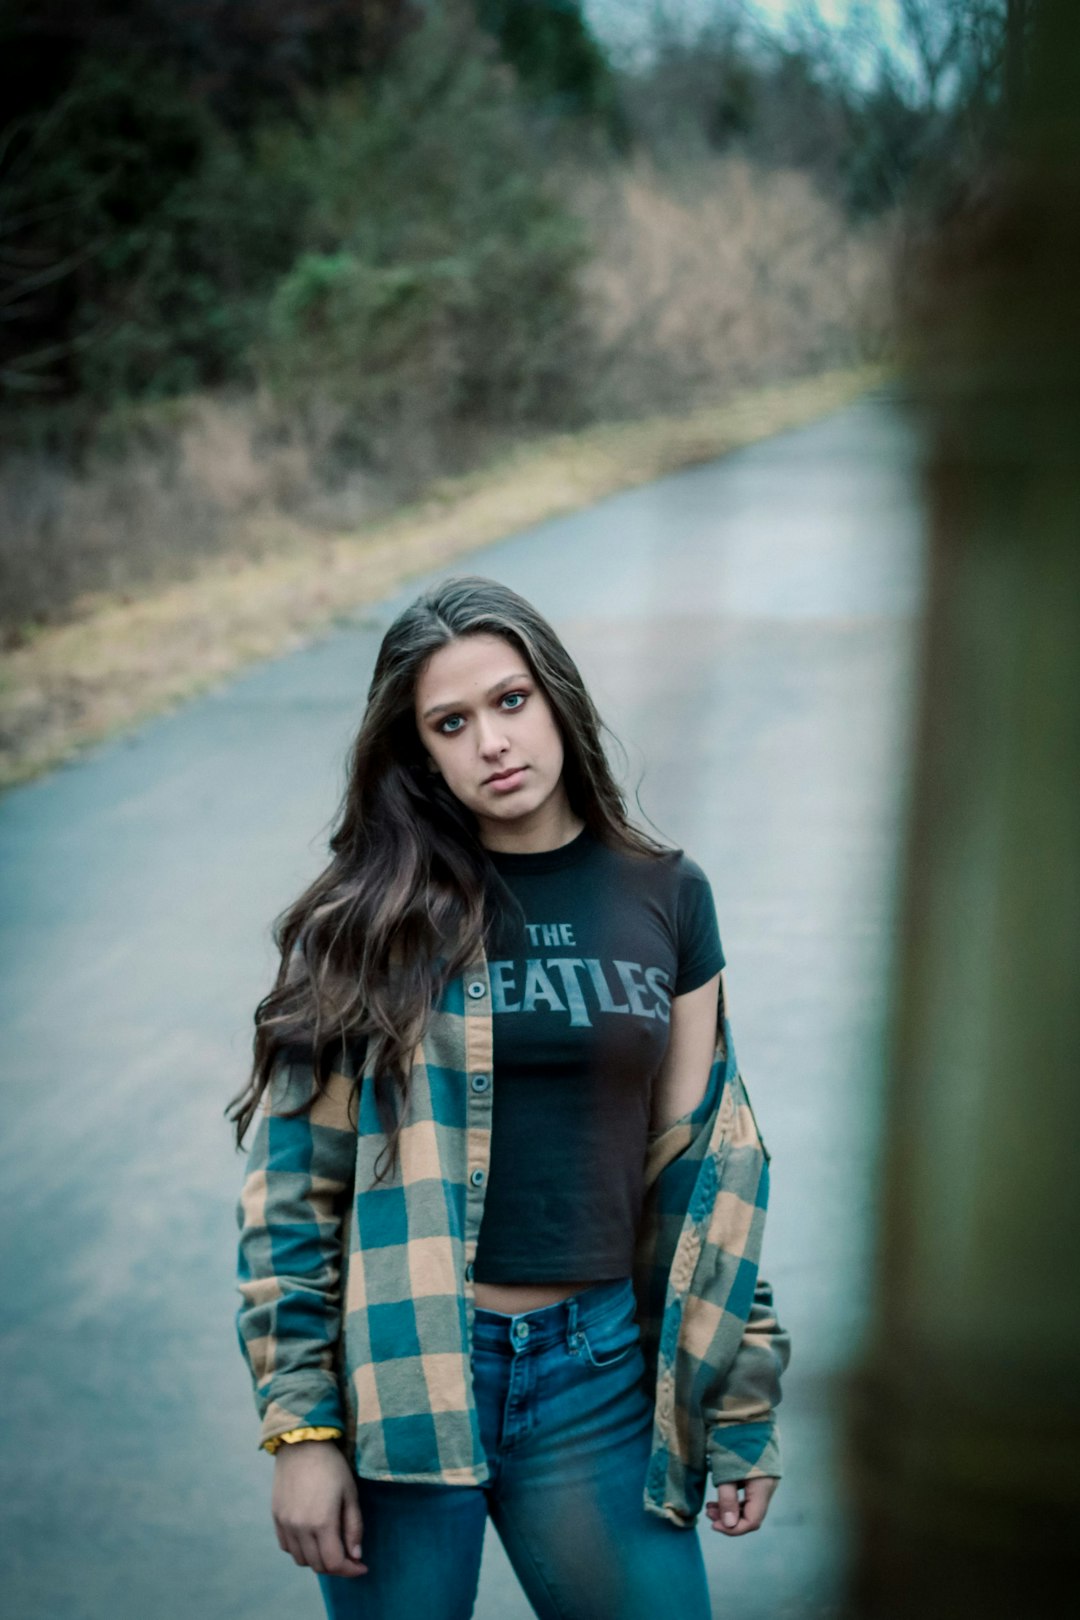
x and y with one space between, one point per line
748 629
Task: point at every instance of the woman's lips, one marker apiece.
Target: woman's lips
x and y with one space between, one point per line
503 784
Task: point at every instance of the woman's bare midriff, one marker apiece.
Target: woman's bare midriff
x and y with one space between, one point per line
513 1298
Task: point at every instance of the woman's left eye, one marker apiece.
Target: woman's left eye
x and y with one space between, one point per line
520 695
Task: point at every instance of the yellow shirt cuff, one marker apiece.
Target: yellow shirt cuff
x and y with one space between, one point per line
292 1435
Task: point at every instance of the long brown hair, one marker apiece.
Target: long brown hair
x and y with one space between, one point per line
410 894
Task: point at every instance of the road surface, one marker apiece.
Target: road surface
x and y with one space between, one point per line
748 629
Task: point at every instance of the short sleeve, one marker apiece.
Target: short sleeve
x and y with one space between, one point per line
701 954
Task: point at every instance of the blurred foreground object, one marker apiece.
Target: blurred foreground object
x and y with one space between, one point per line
964 1414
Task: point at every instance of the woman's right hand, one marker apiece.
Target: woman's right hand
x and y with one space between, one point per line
316 1509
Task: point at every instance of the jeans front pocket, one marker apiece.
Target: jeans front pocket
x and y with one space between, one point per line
611 1340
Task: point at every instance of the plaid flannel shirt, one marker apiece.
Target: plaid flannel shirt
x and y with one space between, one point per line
357 1300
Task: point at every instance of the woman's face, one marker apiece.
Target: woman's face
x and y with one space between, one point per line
479 713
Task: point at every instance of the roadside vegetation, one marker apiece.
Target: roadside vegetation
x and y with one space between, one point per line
275 273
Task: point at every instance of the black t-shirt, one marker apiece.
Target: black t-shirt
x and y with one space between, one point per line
581 1003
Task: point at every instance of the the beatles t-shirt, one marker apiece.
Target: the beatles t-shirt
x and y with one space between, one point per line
581 1000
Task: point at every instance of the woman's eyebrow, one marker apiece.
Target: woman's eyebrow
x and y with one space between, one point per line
438 708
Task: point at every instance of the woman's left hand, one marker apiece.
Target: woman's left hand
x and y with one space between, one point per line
746 1514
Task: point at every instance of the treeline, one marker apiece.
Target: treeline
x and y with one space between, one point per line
195 192
396 226
198 191
898 103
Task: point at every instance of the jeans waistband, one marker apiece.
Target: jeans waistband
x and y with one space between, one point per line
550 1324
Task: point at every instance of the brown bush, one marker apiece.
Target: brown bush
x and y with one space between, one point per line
166 490
724 275
703 281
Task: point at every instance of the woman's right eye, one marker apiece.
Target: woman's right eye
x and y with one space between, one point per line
442 725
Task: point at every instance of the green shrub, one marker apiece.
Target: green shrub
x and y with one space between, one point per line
393 247
436 257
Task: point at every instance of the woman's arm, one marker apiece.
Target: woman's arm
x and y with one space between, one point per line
740 1415
744 1442
684 1073
291 1213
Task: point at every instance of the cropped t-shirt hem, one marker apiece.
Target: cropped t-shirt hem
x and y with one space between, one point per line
604 1271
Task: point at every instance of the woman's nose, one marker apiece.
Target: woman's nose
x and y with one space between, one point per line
492 737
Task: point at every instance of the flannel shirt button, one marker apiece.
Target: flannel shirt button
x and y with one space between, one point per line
476 988
477 1178
468 1271
480 1082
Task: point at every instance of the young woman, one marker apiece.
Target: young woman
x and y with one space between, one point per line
503 1213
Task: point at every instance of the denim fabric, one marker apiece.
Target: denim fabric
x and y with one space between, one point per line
566 1419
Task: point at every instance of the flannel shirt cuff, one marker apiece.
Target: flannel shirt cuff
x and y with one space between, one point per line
739 1451
309 1402
293 1436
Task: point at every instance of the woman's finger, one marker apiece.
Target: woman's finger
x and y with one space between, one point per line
726 1515
335 1558
755 1505
352 1524
289 1541
309 1546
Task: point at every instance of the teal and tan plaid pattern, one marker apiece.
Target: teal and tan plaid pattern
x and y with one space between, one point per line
380 1346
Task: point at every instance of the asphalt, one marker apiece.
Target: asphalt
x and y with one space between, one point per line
749 631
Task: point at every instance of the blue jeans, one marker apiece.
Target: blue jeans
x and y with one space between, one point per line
566 1421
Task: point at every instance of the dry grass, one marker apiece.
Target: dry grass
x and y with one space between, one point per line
193 479
724 275
705 279
214 535
127 658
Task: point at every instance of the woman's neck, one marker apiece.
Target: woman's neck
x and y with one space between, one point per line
549 832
